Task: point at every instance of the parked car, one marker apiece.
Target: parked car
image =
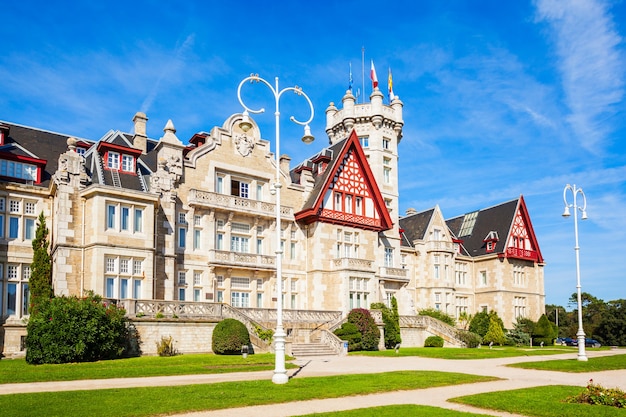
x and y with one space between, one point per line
593 343
566 341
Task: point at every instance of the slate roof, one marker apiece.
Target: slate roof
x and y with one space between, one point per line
414 226
497 219
41 144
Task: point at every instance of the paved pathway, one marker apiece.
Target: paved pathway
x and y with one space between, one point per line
512 378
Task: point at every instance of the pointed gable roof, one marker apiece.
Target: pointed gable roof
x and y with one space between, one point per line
336 158
414 226
474 229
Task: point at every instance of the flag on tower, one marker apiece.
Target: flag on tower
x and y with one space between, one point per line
373 76
350 82
390 86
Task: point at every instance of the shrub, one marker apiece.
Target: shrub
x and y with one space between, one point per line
495 334
439 315
470 339
392 322
350 333
264 334
166 347
598 395
363 320
229 336
433 341
69 329
543 332
480 322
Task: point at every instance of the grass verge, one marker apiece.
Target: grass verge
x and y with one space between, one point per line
470 353
602 363
540 402
151 401
17 370
398 410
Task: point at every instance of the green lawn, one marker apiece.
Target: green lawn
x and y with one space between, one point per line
540 402
471 353
398 410
149 401
602 363
17 370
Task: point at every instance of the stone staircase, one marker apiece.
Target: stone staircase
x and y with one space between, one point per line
311 349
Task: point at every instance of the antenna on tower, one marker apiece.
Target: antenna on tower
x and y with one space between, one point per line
362 70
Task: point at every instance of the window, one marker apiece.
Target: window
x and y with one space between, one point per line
182 237
240 283
365 141
111 216
359 292
240 189
387 170
196 238
460 272
196 294
17 296
338 205
386 143
519 307
113 160
259 192
138 220
123 277
462 304
388 257
437 267
219 185
219 241
519 278
483 277
358 206
182 218
197 278
18 170
125 218
182 278
239 244
181 294
259 300
240 299
13 227
128 163
197 220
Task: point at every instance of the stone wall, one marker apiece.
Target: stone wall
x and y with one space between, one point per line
190 336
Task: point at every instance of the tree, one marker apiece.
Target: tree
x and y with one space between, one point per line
612 327
495 333
481 321
392 322
593 310
544 331
519 335
40 280
363 320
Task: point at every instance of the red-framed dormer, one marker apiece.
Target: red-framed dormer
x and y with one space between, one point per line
119 158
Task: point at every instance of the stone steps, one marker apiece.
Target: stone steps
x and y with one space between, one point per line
311 349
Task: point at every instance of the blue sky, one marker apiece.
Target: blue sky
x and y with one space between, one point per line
501 98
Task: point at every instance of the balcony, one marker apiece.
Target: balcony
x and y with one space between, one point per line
394 274
439 246
205 199
241 260
527 254
353 264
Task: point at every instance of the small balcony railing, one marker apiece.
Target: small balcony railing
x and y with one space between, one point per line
237 259
207 199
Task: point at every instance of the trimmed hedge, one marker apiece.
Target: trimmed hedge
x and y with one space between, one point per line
229 336
350 333
433 341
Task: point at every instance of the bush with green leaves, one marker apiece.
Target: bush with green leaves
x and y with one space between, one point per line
480 322
363 320
350 333
439 315
544 331
72 329
166 347
229 336
433 341
471 339
392 322
596 394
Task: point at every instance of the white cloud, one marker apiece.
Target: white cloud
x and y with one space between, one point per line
590 63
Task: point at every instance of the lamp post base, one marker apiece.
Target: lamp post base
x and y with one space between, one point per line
280 372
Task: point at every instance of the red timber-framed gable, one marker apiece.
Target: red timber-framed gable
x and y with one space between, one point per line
522 242
349 195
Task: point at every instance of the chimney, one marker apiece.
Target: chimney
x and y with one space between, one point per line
140 140
284 163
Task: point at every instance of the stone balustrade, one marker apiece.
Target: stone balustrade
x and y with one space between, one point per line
212 200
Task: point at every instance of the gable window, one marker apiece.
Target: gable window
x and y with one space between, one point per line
338 205
128 163
113 160
240 189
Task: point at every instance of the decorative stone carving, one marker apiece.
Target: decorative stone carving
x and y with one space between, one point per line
71 168
244 144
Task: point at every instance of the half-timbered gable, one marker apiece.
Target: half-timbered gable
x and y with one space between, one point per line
346 192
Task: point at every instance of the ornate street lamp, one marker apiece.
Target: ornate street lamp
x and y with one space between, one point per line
280 373
580 335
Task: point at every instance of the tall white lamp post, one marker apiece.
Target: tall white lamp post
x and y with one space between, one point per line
580 335
280 373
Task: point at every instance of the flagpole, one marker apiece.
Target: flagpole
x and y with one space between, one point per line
362 72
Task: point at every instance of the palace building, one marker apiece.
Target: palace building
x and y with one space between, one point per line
136 218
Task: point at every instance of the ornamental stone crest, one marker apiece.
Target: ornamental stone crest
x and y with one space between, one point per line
244 144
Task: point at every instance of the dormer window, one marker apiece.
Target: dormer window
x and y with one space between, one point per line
490 241
128 163
113 160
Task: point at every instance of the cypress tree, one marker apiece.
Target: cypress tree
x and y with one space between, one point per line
40 280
